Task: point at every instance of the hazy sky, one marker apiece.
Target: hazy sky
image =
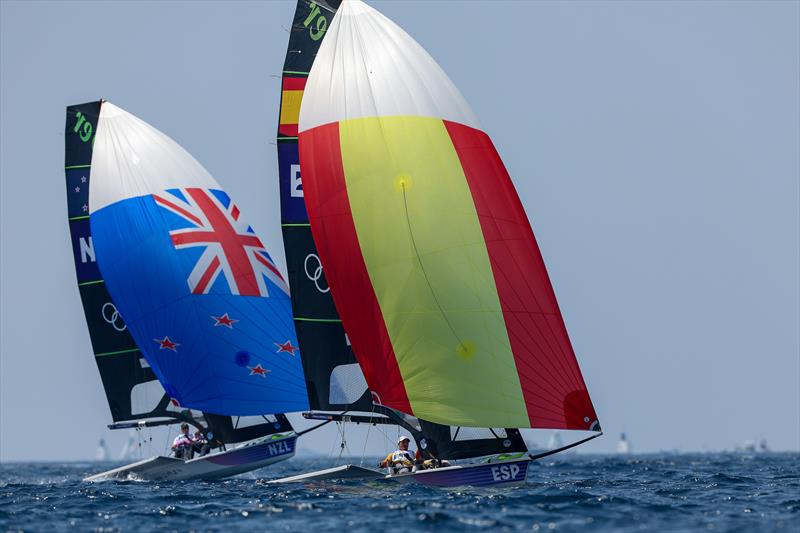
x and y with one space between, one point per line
655 146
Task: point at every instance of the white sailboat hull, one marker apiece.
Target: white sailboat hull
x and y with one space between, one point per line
245 458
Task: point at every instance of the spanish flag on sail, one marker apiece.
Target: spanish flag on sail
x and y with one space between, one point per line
431 260
291 96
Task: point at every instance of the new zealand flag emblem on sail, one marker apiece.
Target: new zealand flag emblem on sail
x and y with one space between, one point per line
223 252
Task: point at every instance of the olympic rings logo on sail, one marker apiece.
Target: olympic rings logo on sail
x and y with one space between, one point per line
111 316
316 275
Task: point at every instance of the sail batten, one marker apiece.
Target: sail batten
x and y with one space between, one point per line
432 262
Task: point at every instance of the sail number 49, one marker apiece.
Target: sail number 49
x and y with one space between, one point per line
320 22
82 127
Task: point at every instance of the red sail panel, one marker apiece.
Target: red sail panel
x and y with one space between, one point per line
552 385
337 245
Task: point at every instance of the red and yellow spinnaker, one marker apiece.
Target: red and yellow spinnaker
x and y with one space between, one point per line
431 261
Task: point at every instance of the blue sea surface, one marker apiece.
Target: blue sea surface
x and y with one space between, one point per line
710 492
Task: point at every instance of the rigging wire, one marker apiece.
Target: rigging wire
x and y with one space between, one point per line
366 440
343 445
330 452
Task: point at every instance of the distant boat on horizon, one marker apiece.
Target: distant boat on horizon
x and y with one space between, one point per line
751 446
101 454
623 445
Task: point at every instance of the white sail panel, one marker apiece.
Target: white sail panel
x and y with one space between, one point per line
356 71
131 158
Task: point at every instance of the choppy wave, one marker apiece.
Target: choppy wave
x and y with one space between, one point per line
712 492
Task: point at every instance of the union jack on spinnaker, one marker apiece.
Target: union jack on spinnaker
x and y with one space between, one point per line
199 292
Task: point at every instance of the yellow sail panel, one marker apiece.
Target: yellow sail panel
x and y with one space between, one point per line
427 260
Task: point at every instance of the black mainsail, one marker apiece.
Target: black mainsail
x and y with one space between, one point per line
333 377
131 387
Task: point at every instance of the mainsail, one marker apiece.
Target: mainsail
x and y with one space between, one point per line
130 385
198 291
333 377
432 262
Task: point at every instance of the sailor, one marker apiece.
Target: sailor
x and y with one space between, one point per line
400 460
182 445
200 445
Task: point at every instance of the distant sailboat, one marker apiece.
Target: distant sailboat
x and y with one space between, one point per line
623 446
102 451
555 442
130 450
207 324
429 257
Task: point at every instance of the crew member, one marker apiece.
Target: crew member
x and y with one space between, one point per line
401 460
200 445
182 445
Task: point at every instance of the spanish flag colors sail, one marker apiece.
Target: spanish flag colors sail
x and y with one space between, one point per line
431 260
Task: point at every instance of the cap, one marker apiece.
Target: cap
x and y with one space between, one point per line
402 438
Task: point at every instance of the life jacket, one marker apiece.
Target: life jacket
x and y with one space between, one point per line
182 440
402 456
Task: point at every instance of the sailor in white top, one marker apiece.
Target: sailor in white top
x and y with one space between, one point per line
400 460
182 445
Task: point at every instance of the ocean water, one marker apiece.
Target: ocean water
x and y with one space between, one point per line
702 492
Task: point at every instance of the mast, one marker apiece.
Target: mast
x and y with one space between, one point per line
432 262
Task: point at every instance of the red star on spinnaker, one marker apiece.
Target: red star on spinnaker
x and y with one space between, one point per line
166 344
286 347
259 370
224 320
